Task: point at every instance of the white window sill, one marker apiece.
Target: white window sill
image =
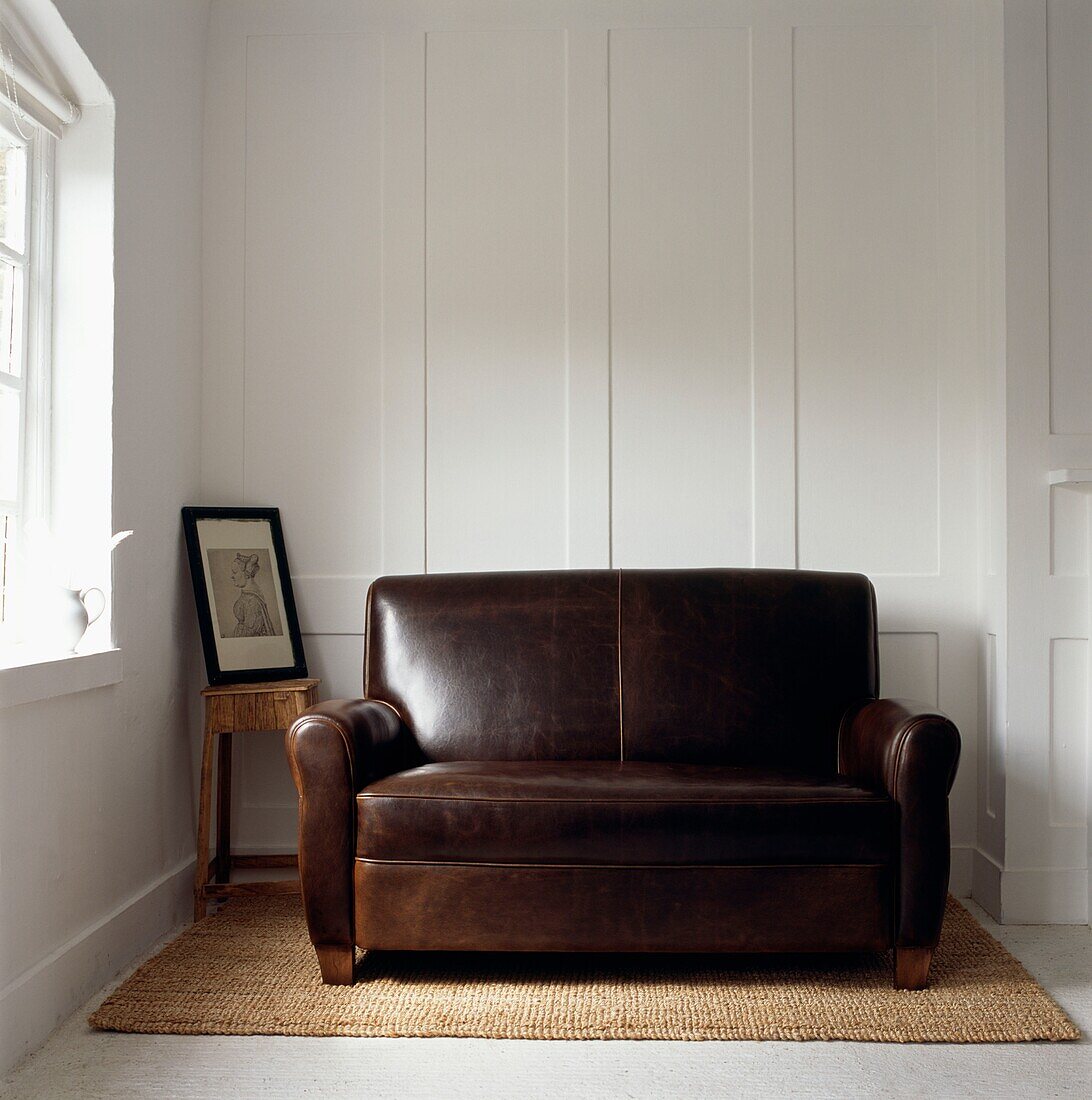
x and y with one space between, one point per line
28 677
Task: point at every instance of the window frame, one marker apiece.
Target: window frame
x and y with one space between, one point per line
34 476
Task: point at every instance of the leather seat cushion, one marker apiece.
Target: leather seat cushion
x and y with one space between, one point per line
621 813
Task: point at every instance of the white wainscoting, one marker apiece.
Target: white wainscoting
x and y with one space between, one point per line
598 284
867 354
1069 49
1069 287
496 186
1034 270
681 364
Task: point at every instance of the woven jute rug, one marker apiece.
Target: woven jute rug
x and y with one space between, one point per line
250 970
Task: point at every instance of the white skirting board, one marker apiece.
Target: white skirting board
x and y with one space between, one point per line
1032 895
48 991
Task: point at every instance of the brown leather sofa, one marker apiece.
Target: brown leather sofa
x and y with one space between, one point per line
623 761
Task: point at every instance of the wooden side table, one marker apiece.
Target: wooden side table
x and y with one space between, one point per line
230 709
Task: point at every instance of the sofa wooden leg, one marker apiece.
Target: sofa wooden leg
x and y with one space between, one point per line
912 967
336 963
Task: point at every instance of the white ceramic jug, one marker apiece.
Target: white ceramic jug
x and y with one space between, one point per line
71 617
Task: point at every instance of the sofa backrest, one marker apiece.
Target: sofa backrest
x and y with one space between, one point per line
744 666
498 666
727 666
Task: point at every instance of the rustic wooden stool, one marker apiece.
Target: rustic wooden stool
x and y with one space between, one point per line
229 709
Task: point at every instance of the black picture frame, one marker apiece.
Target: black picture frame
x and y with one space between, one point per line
282 623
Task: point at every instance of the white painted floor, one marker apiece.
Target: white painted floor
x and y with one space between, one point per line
78 1062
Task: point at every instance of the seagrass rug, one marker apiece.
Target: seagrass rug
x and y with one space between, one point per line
249 970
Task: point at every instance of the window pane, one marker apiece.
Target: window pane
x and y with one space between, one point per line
13 193
11 319
9 443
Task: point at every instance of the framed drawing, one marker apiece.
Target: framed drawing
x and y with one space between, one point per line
249 628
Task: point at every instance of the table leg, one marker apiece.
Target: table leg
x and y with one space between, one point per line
223 811
204 812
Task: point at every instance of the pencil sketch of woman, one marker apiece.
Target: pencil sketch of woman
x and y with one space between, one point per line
252 618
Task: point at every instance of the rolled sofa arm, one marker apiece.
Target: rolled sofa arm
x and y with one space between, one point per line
910 751
334 749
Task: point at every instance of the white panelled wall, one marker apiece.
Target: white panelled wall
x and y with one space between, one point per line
1032 863
543 285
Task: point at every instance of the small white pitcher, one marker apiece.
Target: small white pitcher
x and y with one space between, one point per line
71 616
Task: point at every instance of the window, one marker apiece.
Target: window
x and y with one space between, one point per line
26 152
56 356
